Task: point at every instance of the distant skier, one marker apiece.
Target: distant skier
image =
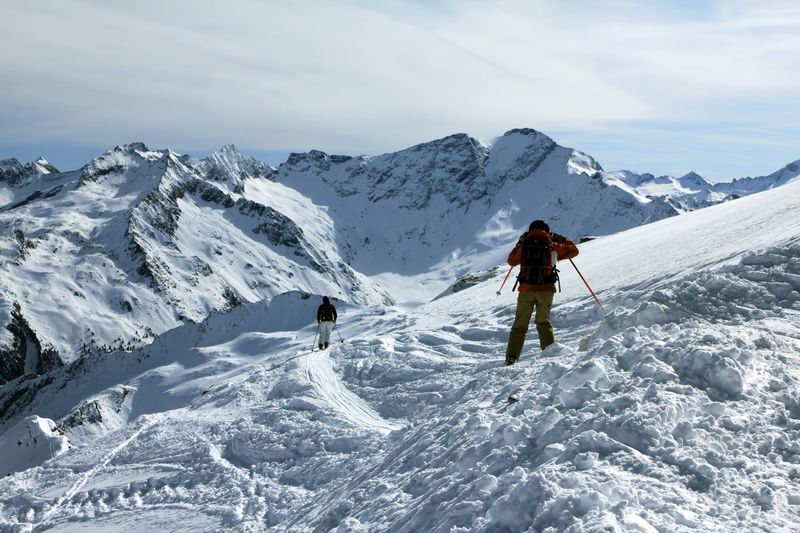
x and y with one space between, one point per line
326 318
537 251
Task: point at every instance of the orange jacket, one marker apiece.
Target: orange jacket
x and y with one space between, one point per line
565 249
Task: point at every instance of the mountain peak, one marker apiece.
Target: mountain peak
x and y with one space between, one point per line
528 132
11 163
16 174
693 179
230 166
129 148
41 166
229 149
316 159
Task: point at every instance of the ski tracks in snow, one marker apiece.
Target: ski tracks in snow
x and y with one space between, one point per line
318 368
84 479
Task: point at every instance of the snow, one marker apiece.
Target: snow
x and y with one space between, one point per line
137 242
6 196
674 408
140 241
30 443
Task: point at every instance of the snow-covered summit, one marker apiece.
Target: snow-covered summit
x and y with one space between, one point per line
694 181
15 174
452 203
230 167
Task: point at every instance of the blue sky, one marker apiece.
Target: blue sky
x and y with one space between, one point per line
662 87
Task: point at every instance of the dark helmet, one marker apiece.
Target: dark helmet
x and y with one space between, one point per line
539 224
325 300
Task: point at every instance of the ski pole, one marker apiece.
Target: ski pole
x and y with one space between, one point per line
504 280
587 285
337 332
315 338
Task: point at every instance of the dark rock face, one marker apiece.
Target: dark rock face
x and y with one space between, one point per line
231 167
15 174
12 172
20 393
279 229
91 412
534 153
209 193
470 280
87 414
25 345
452 166
37 195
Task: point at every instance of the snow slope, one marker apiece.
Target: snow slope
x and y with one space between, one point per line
139 241
673 408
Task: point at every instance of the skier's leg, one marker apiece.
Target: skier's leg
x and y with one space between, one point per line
544 302
522 320
325 333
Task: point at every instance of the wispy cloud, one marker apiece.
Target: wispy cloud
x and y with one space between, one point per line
351 75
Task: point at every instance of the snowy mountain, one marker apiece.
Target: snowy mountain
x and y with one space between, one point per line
745 186
693 191
14 174
139 241
672 408
451 200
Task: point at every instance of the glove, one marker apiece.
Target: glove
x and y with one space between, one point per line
555 237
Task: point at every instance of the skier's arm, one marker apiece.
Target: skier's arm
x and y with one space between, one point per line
319 314
515 256
566 249
334 314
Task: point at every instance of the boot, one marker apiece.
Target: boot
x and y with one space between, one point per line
326 345
320 346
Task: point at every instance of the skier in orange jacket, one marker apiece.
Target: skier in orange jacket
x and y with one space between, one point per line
537 252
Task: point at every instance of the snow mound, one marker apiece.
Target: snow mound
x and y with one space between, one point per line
30 443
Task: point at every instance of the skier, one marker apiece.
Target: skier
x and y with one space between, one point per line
326 318
537 251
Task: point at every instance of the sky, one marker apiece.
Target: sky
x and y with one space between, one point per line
665 87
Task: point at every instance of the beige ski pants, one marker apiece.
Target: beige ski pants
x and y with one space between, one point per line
527 302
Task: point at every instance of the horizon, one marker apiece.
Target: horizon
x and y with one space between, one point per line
77 158
664 88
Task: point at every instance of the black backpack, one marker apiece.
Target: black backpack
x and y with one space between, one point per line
537 266
326 313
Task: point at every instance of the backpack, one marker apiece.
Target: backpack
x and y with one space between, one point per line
326 313
538 265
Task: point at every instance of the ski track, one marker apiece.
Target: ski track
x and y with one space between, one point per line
84 479
320 373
